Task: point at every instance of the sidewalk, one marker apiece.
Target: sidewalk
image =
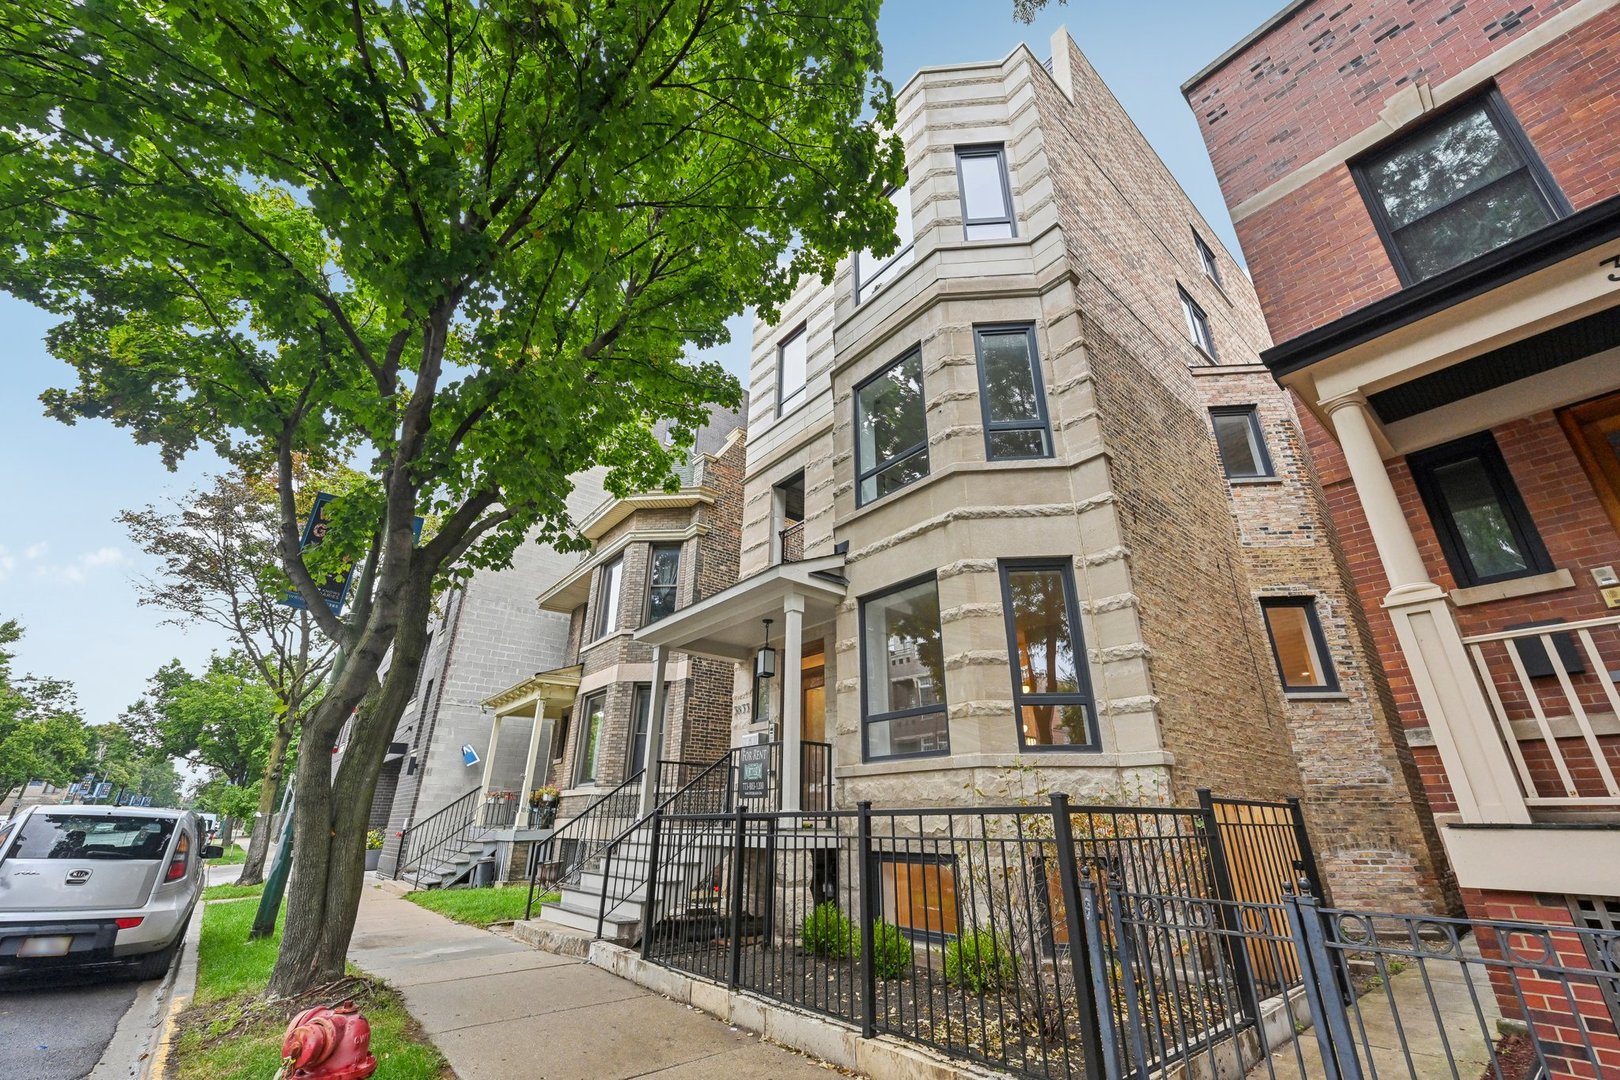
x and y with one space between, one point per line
502 1011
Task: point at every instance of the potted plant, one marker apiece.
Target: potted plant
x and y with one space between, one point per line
374 843
544 800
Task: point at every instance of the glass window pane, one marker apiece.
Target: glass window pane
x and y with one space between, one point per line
890 418
666 565
792 357
1045 643
982 193
1009 376
1298 659
1234 432
1474 225
79 836
1480 519
595 708
641 716
905 669
908 469
926 733
1441 165
988 230
874 270
1056 725
1028 442
607 598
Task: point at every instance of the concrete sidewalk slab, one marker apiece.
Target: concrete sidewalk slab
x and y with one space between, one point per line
499 1010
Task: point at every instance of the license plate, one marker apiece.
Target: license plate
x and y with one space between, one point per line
46 946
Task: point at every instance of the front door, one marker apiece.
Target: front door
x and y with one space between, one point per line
1594 429
817 776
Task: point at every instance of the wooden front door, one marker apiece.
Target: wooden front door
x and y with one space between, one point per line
813 728
1594 430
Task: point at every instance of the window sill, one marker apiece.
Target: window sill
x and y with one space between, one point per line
1249 481
957 468
1529 585
1315 695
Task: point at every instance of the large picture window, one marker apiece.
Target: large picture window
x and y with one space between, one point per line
608 580
903 676
663 580
640 720
591 712
1011 393
891 429
1462 185
792 356
986 196
1297 644
1051 690
873 272
1483 526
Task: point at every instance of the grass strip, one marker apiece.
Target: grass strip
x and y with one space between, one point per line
231 891
480 907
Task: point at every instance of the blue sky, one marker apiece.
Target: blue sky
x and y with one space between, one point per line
66 566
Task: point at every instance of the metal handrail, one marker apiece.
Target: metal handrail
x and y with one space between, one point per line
576 831
438 827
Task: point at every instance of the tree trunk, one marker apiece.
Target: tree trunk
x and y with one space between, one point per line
332 810
259 844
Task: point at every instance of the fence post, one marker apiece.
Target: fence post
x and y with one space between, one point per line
649 903
1307 854
607 883
865 900
399 863
1091 1041
1237 949
1091 919
734 930
1322 993
1125 943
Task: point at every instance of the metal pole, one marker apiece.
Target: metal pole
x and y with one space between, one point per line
1091 1042
734 968
649 903
1307 854
1096 950
867 902
275 883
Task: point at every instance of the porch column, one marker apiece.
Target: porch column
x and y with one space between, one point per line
792 705
489 764
655 731
1477 764
534 752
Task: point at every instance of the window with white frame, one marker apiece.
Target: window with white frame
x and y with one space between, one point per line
1197 325
608 581
791 358
1206 257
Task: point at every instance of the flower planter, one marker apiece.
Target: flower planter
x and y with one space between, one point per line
373 856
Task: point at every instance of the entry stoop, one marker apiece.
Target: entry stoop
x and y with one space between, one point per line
553 938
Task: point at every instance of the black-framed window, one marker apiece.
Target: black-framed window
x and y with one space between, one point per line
1206 258
1198 330
1460 185
891 429
1011 393
872 272
592 713
987 206
792 358
640 720
1484 529
916 891
609 580
1046 651
1297 645
903 673
663 580
1241 443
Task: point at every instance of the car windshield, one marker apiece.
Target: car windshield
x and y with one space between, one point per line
68 836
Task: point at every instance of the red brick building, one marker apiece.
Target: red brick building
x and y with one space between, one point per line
1428 196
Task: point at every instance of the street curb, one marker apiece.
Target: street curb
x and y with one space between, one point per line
184 985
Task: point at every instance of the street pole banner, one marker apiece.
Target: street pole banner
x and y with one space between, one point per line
335 589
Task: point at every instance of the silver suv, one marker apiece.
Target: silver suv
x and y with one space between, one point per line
92 884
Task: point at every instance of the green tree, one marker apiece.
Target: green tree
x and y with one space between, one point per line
42 735
466 245
133 768
1026 10
217 552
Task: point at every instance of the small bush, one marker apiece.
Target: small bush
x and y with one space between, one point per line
826 931
891 950
978 961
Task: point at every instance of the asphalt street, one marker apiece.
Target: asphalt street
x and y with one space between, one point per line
55 1025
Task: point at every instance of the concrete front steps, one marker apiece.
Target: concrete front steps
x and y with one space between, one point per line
580 903
453 865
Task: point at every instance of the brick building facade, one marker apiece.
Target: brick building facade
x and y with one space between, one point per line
1428 197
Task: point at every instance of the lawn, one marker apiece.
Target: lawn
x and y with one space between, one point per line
229 1033
231 892
480 907
232 856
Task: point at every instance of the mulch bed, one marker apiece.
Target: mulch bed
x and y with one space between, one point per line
1515 1056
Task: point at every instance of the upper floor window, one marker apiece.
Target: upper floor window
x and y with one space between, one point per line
1238 437
1456 188
1483 526
981 171
1297 644
903 671
663 577
1051 692
608 580
1197 325
1010 393
891 429
872 272
791 358
1206 257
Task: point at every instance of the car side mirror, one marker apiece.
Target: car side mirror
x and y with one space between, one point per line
213 851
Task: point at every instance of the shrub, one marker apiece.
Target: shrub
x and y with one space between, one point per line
891 950
978 960
826 931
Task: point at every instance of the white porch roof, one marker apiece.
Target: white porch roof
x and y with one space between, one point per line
726 626
557 687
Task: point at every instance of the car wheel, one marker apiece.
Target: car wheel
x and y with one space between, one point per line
155 965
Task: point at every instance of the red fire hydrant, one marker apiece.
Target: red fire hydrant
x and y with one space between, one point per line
328 1044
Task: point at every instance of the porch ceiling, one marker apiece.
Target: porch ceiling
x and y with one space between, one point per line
556 688
726 626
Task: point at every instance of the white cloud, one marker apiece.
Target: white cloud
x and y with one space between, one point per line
36 551
8 563
80 569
